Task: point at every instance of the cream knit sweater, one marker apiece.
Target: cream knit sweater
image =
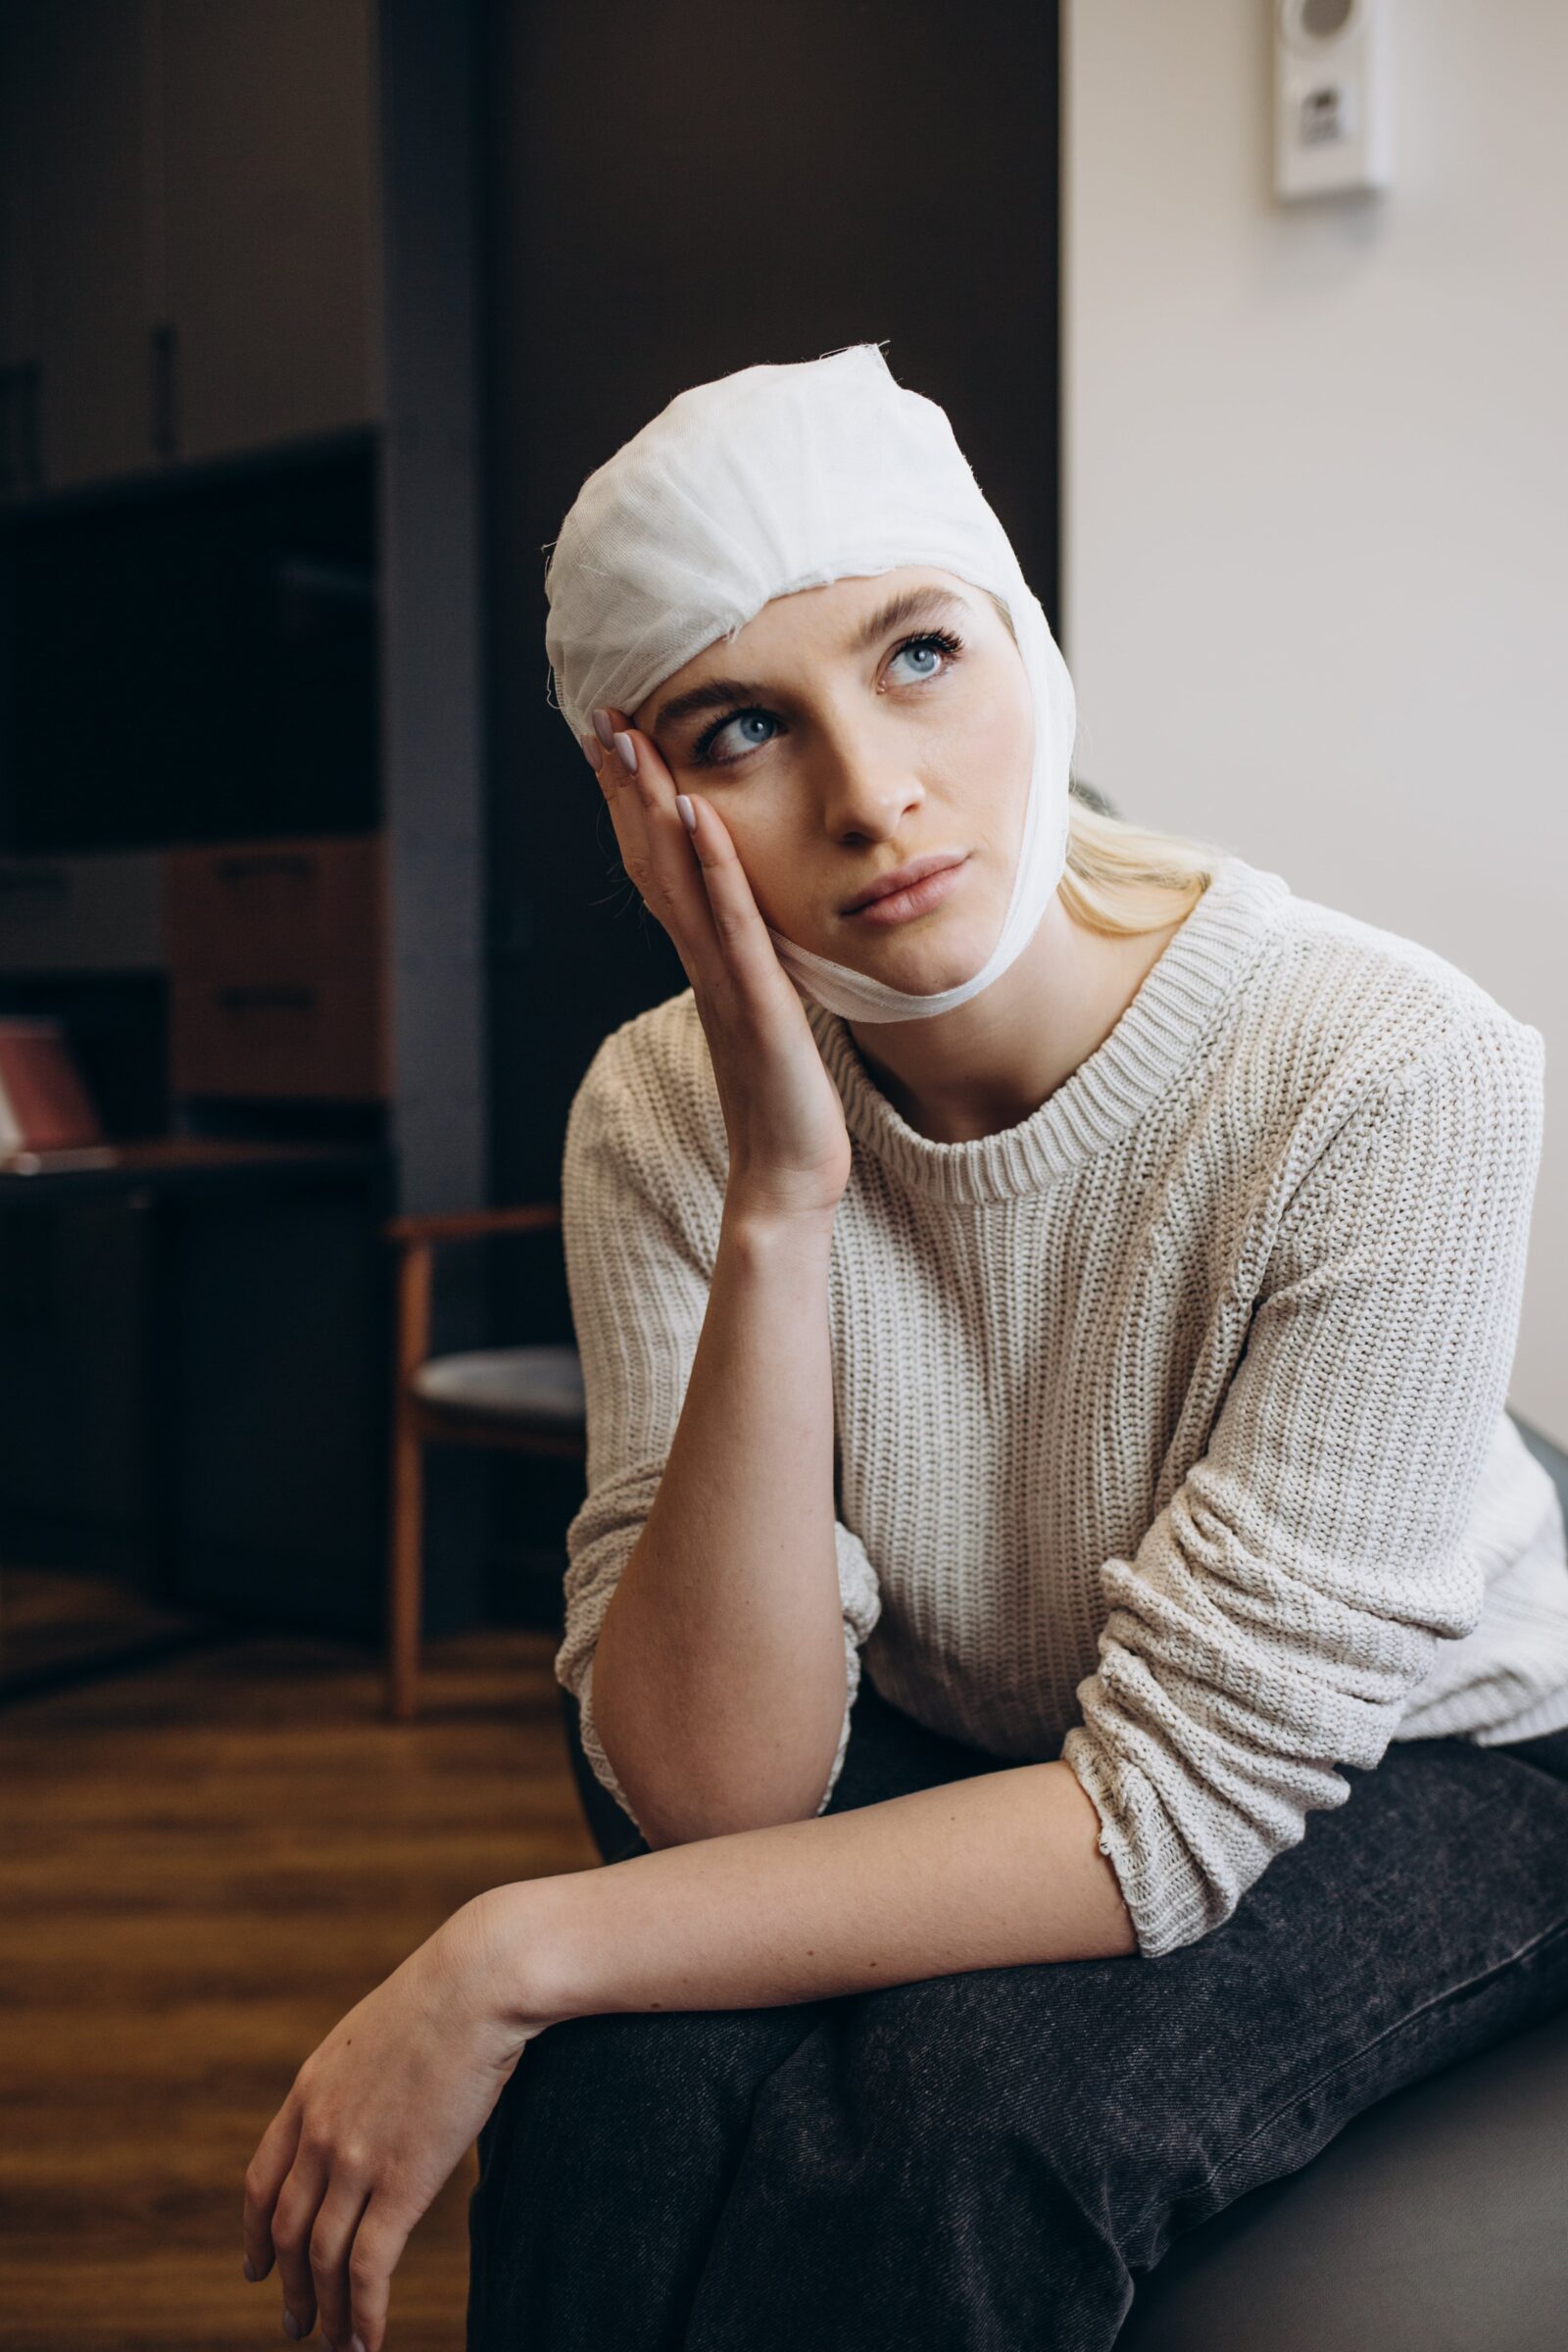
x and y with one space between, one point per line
1171 1427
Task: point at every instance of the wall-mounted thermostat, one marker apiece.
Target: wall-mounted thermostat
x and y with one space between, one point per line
1333 101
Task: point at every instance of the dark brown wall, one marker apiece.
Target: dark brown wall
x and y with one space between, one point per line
677 188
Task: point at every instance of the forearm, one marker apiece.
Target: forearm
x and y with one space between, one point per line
991 1872
718 1679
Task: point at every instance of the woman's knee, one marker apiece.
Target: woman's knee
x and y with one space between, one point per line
603 2170
634 2079
1045 2068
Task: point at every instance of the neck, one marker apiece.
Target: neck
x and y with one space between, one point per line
988 1064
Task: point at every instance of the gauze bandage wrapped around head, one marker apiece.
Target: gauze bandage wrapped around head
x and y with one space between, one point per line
767 481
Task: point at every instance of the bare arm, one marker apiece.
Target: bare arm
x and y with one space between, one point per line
992 1872
718 1678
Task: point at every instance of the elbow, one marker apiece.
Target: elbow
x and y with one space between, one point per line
681 1788
689 1807
691 1824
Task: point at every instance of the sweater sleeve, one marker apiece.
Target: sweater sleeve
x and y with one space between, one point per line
638 1271
1290 1599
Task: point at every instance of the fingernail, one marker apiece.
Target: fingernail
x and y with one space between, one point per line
628 751
603 728
291 2326
250 2270
355 2344
688 815
592 752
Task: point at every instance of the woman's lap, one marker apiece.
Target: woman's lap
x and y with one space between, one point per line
992 2158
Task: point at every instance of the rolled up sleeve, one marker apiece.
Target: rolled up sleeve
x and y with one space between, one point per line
1288 1599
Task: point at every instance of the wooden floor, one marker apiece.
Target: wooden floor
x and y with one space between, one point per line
53 1621
204 1864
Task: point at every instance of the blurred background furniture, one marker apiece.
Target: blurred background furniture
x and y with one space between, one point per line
195 1340
242 775
528 1399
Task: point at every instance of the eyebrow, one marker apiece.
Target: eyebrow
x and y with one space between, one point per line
725 694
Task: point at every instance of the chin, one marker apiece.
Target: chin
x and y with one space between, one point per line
921 976
923 959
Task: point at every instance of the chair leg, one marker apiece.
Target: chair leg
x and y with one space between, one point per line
406 1577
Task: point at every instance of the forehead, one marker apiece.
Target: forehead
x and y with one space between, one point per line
846 616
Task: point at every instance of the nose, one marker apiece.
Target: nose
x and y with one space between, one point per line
868 789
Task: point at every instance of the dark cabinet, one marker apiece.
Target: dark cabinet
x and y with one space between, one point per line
241 604
195 1351
79 237
73 1307
267 190
195 659
83 915
188 245
282 1362
277 962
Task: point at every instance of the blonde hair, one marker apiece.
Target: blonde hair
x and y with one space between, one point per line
1125 880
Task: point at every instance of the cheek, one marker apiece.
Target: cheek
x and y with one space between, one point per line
988 741
1002 730
768 865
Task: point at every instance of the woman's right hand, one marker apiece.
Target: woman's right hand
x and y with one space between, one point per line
789 1149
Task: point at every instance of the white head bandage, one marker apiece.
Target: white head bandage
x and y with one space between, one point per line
767 481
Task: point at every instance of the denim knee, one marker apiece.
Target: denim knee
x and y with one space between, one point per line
612 2062
1022 2066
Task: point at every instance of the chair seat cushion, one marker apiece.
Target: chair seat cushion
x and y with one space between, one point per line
533 1384
1432 2223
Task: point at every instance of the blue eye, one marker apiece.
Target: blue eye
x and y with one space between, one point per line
918 645
742 718
703 754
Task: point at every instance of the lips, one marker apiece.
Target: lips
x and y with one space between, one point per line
901 878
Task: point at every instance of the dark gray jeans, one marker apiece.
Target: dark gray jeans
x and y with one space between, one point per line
988 2162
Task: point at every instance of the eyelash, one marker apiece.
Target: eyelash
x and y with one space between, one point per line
950 645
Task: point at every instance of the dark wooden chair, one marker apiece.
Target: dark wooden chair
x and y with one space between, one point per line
528 1399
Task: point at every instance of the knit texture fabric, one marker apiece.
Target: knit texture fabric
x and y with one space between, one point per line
1170 1422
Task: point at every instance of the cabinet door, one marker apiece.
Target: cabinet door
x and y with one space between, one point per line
91 190
74 1479
282 1387
268 181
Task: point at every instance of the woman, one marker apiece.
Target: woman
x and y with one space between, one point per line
1082 1290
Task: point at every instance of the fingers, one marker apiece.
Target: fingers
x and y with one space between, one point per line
655 847
737 919
332 2241
378 2244
265 2175
293 2217
336 2240
697 869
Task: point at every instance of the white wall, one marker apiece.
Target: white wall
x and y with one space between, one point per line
1315 590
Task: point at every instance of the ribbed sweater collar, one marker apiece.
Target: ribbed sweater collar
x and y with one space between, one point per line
1178 1003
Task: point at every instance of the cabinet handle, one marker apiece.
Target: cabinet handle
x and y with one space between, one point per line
30 464
262 862
165 441
238 1000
